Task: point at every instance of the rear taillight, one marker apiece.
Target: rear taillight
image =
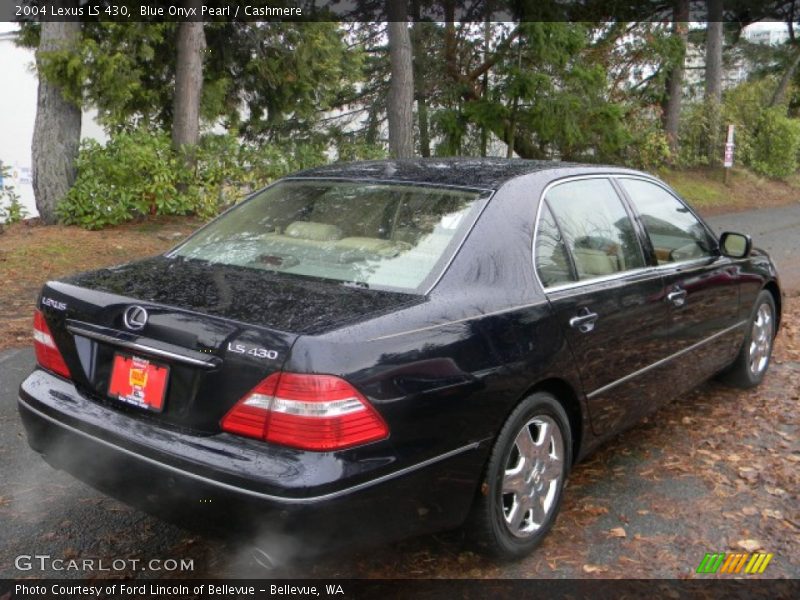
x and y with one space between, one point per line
311 412
47 354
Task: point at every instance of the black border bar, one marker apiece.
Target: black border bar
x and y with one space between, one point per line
387 589
734 11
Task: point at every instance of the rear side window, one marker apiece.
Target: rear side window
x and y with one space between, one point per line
552 260
674 232
596 228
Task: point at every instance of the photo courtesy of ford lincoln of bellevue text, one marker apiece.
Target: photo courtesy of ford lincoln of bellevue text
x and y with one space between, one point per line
374 350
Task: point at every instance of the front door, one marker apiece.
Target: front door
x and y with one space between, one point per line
701 287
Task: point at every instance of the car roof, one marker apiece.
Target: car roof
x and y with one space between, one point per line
484 173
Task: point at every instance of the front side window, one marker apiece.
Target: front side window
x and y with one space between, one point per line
596 227
392 236
675 233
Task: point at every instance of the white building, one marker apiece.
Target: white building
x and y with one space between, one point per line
18 112
766 33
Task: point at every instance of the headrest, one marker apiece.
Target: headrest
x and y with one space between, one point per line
308 230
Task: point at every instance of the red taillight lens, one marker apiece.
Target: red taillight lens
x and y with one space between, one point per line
311 412
47 354
249 416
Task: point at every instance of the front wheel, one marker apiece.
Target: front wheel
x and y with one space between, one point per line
525 476
750 365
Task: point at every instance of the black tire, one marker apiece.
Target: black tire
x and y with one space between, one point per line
541 477
752 362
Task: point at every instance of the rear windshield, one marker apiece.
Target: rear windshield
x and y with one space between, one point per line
377 235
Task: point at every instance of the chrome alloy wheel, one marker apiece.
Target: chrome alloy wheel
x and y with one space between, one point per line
532 476
760 340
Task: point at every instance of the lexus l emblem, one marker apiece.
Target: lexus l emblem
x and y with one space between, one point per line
135 317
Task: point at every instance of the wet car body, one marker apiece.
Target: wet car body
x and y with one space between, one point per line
443 368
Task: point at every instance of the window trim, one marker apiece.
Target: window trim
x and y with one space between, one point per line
629 274
636 218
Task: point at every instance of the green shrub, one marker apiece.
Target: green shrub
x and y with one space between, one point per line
744 107
648 150
134 174
694 134
348 149
776 144
11 209
227 169
137 173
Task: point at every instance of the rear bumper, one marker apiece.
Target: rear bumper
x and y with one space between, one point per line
201 478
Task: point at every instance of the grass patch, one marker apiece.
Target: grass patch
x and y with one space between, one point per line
706 190
701 193
30 255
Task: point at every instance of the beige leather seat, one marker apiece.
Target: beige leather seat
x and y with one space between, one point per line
594 263
370 246
324 241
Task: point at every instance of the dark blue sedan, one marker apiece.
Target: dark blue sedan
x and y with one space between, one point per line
381 349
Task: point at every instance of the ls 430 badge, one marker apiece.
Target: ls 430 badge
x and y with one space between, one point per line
256 351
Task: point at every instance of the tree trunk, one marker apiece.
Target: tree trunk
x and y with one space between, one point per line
188 82
424 132
672 108
783 86
714 78
487 38
57 129
420 91
512 129
400 103
373 124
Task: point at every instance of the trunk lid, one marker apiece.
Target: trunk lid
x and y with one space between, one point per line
219 330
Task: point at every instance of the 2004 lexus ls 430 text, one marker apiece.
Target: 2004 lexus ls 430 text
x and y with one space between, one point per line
381 349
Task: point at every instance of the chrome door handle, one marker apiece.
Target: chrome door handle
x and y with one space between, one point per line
677 297
584 321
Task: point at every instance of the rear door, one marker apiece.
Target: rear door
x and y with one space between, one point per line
701 287
590 260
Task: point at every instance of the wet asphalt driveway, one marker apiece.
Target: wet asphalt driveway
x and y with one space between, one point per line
715 471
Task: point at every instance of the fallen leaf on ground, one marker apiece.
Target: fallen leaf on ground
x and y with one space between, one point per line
748 473
594 510
618 532
594 569
749 545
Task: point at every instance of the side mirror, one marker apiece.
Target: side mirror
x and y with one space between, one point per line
735 245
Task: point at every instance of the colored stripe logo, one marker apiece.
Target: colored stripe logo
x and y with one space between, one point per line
734 562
